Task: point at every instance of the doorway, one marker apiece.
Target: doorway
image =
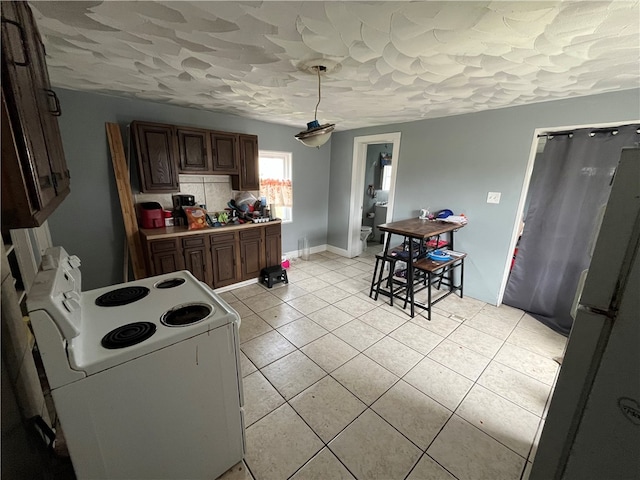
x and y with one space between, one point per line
358 187
570 188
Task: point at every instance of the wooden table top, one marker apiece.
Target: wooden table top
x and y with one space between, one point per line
417 228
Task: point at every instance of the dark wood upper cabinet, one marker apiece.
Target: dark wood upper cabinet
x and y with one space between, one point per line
249 175
194 150
207 151
35 178
156 150
224 153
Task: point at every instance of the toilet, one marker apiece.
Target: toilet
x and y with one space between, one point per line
365 233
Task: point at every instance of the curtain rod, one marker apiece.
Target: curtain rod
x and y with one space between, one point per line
594 131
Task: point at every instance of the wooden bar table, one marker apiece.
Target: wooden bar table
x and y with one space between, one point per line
417 229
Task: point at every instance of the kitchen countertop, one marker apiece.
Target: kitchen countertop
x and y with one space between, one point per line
172 232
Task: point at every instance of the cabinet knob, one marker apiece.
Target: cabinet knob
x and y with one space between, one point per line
45 181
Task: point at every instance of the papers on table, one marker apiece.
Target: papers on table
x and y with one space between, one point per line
454 219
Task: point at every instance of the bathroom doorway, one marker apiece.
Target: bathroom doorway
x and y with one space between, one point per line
384 150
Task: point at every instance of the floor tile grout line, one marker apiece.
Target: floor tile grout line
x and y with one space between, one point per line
435 461
363 291
468 391
487 433
523 373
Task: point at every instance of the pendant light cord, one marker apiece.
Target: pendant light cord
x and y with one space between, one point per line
315 114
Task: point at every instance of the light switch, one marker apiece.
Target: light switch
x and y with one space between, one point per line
493 197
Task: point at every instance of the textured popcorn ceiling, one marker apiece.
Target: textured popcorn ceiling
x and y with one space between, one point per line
387 61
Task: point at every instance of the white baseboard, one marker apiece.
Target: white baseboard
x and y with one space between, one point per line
289 255
317 249
338 251
233 286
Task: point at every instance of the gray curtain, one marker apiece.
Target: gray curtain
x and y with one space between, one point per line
572 182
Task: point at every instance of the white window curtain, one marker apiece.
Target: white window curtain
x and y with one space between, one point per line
278 192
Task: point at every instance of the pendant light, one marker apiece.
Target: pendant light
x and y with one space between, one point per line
316 135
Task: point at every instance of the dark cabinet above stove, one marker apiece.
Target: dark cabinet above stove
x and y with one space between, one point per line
249 175
164 151
156 151
207 152
35 178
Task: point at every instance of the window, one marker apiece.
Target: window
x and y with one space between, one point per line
386 177
275 182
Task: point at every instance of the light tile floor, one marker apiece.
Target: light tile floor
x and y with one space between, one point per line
338 386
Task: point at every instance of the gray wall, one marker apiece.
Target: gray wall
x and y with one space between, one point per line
453 162
89 222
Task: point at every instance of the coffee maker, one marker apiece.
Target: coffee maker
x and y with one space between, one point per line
179 201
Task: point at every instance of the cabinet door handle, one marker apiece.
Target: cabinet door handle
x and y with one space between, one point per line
23 42
57 112
45 181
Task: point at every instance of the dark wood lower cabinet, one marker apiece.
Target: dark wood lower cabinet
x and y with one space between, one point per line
197 258
273 245
223 254
218 259
166 256
251 253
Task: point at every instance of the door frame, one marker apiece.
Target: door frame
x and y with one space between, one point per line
525 188
359 161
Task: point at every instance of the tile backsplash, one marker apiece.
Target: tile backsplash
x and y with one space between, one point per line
214 191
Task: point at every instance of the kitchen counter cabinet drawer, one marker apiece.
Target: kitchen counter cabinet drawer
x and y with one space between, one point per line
222 238
194 242
164 245
273 229
249 234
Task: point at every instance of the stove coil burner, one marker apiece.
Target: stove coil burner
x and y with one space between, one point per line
170 283
128 335
188 314
122 296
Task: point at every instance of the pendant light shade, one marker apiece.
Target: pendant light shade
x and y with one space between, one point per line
316 135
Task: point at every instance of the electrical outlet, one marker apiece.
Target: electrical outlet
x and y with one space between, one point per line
493 197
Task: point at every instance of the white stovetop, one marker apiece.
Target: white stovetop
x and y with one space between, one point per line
87 354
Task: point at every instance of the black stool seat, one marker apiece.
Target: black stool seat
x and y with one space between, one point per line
275 274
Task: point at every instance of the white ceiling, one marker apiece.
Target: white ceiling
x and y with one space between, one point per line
387 62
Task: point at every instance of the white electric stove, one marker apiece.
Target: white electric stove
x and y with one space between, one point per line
145 375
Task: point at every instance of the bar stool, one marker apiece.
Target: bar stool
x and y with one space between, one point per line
434 272
375 283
